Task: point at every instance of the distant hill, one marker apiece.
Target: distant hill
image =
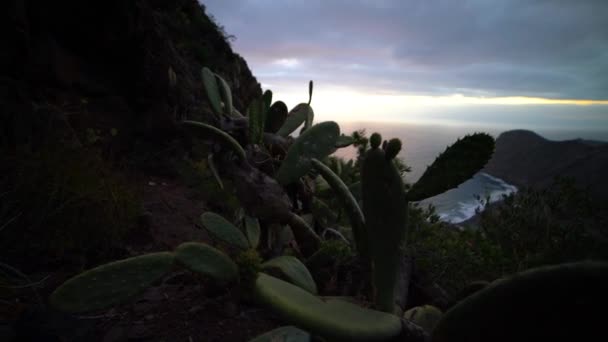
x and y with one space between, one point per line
524 158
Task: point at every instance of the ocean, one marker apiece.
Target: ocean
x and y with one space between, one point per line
422 143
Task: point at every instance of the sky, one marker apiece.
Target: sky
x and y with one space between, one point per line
515 63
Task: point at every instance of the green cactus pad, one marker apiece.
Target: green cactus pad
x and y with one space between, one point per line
223 230
310 85
218 134
252 226
284 334
316 142
295 271
257 120
297 116
551 303
375 140
111 284
349 202
206 260
344 141
425 316
393 147
455 165
385 210
276 116
267 97
212 90
226 95
332 319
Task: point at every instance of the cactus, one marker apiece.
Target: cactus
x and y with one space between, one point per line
456 164
294 270
426 316
344 141
219 134
276 116
385 209
548 303
284 334
206 260
267 99
223 230
355 215
332 319
112 283
252 227
212 90
309 92
214 172
257 120
226 94
317 142
302 113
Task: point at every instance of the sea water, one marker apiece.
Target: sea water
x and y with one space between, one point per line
422 144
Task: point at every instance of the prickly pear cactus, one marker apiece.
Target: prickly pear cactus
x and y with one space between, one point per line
206 260
212 90
302 113
551 303
426 316
332 319
284 334
276 116
455 165
294 270
349 202
111 284
344 141
218 134
223 230
316 142
257 120
226 94
385 210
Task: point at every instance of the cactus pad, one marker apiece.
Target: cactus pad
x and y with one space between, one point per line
551 303
212 90
425 316
257 120
218 134
276 116
252 227
455 165
344 141
111 284
226 94
298 115
295 271
316 142
223 230
333 319
206 260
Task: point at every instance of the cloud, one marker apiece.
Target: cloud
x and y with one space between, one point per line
542 48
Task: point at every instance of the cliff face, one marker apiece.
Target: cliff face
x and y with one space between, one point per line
524 158
105 66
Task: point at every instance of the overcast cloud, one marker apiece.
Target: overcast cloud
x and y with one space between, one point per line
542 48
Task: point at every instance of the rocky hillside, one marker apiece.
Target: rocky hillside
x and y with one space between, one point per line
524 158
108 65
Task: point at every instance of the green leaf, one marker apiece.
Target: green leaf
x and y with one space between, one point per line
333 319
224 230
252 226
111 284
297 116
212 90
284 334
317 142
295 271
206 260
455 165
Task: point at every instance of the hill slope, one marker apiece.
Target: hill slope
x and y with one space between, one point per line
524 158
